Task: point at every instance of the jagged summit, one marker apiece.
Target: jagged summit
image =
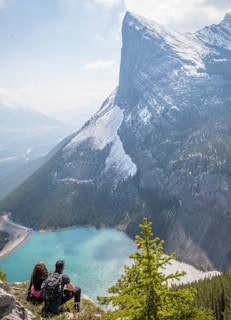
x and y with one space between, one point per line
227 20
146 26
151 49
148 31
217 35
159 146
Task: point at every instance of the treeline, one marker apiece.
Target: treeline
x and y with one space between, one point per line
41 202
4 237
213 293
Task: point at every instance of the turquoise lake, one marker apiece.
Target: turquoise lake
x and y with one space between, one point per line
94 258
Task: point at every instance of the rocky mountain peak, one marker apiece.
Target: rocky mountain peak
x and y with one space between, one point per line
227 20
150 51
159 146
217 36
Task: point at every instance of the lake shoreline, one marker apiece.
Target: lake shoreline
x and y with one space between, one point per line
101 245
18 235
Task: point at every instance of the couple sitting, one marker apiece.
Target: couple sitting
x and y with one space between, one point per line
67 289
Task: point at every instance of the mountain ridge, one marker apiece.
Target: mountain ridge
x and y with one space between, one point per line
158 146
14 116
27 136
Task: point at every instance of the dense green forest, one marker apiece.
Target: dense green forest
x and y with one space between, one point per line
213 293
61 205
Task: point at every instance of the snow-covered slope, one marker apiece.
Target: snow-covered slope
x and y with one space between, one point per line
217 35
102 131
191 274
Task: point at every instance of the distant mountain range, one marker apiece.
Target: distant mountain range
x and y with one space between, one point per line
16 117
26 137
158 147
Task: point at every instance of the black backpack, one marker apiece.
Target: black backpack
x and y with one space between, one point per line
51 289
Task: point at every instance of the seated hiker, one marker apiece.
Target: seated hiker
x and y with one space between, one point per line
64 291
39 274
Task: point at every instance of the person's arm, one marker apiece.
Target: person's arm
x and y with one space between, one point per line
70 286
67 283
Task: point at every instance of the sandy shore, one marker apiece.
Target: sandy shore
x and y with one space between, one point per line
17 235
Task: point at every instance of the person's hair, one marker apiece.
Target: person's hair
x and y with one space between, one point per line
59 265
39 272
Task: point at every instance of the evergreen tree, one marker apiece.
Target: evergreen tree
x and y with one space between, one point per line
142 292
2 276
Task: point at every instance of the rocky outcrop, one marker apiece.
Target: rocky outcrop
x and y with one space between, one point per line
10 308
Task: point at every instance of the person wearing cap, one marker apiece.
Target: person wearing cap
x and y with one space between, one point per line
69 290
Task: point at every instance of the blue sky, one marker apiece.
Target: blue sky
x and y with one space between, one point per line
62 57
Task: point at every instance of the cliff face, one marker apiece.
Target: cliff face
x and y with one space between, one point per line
176 92
159 146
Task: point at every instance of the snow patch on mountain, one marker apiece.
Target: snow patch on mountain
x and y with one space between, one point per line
119 160
77 181
102 131
217 35
192 274
145 115
186 47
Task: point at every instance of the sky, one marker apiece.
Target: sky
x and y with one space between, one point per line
62 57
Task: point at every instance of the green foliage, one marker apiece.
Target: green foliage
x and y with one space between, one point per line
142 292
214 293
2 276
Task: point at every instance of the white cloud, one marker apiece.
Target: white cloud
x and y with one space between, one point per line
8 96
180 15
108 3
101 64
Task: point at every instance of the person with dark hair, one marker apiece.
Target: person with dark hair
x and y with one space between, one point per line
67 291
39 274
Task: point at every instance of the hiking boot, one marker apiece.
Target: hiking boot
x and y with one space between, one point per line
77 307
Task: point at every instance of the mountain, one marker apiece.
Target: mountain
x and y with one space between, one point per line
26 136
159 147
19 116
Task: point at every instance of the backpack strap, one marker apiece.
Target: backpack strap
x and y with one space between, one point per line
61 280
